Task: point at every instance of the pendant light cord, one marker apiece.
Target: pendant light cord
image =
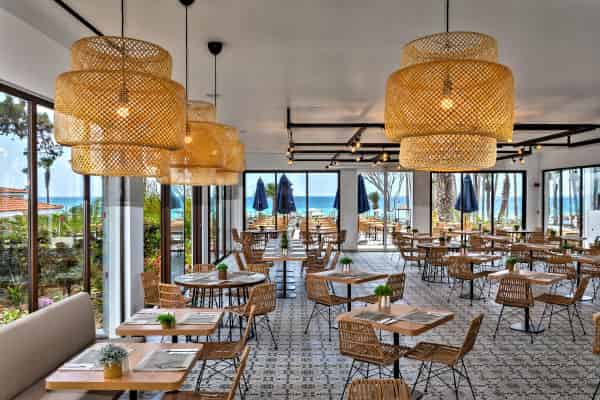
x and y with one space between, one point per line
447 9
122 18
186 55
215 83
123 97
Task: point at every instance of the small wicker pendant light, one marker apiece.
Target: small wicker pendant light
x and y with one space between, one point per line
450 102
118 107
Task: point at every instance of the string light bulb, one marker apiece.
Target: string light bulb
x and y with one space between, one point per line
538 146
358 144
522 160
290 161
385 157
353 148
188 139
358 159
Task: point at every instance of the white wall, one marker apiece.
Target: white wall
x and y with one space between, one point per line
30 60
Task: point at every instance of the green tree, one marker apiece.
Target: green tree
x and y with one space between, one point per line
271 192
374 198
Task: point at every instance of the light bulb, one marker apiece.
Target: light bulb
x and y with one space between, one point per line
358 159
538 146
353 149
290 161
123 111
447 103
509 140
358 145
385 157
522 161
520 151
188 139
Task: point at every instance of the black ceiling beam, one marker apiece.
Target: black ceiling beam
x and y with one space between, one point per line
559 135
357 152
78 17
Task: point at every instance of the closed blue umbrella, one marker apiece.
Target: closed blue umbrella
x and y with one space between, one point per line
363 199
467 199
260 196
336 201
285 196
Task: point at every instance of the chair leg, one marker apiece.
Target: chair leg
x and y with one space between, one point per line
199 379
455 385
347 379
579 318
468 378
596 391
329 321
571 322
310 319
271 331
428 376
418 376
551 314
498 323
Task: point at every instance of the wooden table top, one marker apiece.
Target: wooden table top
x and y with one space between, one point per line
573 238
496 238
264 231
295 252
535 278
587 259
180 329
350 278
476 257
133 380
210 280
401 327
540 246
448 245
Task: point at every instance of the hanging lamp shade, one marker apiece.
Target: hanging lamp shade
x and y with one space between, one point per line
235 164
118 107
450 103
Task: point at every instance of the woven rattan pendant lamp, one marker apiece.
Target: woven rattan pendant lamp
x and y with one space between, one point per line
118 108
450 102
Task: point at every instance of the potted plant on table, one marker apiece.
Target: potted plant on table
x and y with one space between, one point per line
222 271
384 296
442 240
167 320
112 358
510 263
464 248
346 261
284 242
415 231
567 249
408 228
516 227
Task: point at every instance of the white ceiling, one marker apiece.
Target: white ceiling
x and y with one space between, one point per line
329 59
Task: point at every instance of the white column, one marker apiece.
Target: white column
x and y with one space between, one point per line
421 201
349 207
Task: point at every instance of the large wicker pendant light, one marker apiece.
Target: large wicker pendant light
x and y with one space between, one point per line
450 102
118 107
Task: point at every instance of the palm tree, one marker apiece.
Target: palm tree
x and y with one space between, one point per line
271 192
374 198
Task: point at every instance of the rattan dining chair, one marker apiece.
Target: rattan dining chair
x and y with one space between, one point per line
436 262
317 290
261 268
170 296
460 271
358 341
150 281
412 255
264 298
477 244
378 389
565 303
318 264
396 281
224 355
450 357
596 345
514 291
229 395
522 253
560 264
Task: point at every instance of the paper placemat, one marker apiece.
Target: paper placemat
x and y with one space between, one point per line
167 360
372 316
200 318
88 360
422 317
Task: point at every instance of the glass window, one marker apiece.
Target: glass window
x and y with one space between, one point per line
177 214
322 190
152 225
371 223
444 192
399 202
256 218
591 203
552 196
295 219
571 195
96 249
187 226
60 216
213 224
508 200
13 208
480 218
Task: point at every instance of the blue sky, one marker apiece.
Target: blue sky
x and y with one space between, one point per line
320 184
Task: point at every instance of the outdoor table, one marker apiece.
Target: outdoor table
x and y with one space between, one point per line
496 238
199 282
475 258
295 252
401 327
348 278
415 237
133 381
320 232
545 248
515 233
464 234
132 328
534 278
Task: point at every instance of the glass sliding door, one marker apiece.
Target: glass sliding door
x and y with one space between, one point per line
399 202
295 220
213 223
60 216
152 225
552 200
445 188
177 242
591 204
323 214
371 224
14 205
481 218
255 218
97 282
571 196
508 203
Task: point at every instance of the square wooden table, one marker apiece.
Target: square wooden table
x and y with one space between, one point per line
133 381
401 327
132 329
349 278
475 258
296 252
534 278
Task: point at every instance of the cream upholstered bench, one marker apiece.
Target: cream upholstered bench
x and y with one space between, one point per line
38 344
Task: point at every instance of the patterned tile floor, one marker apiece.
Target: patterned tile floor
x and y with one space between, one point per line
309 366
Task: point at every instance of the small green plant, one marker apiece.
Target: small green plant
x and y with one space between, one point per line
111 354
552 233
486 230
442 238
346 261
415 230
512 260
567 246
8 316
449 230
464 246
383 290
166 319
16 294
222 267
284 243
516 227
